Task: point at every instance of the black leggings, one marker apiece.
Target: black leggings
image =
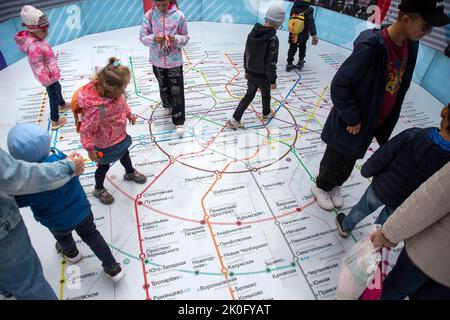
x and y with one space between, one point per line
102 170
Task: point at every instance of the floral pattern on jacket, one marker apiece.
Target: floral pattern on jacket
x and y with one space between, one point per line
102 127
158 23
40 56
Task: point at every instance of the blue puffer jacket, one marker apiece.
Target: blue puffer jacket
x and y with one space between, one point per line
400 166
61 209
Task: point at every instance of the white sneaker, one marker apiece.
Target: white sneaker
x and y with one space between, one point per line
322 197
8 297
167 111
271 115
234 124
179 130
336 197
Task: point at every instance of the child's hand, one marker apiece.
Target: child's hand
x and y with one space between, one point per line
273 86
78 161
159 39
93 155
170 38
132 118
315 40
354 130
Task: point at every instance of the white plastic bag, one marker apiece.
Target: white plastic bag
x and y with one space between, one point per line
357 270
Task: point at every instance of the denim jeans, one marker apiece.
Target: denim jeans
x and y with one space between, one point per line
91 236
20 269
56 99
366 205
406 279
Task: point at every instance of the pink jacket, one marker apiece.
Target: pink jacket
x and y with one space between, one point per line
41 57
101 127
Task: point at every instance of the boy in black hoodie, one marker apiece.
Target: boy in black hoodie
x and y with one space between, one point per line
368 92
299 40
260 64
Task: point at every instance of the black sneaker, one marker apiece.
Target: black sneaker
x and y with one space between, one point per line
115 273
73 257
300 64
290 67
339 219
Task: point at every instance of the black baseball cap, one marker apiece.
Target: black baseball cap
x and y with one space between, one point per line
432 11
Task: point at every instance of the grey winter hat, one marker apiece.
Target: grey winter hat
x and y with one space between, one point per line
276 14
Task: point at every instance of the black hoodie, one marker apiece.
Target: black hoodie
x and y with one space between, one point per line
261 52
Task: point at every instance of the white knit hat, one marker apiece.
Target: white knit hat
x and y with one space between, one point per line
33 19
276 14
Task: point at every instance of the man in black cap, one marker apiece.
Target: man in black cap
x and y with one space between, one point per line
368 92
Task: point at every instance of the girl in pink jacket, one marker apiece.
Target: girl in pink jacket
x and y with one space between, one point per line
103 128
164 30
42 60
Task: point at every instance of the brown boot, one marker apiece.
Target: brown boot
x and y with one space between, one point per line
136 177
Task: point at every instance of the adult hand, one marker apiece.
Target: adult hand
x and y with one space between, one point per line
78 161
315 40
354 130
273 86
379 240
93 155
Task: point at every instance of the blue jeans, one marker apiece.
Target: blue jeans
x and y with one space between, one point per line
406 279
89 234
56 99
20 269
368 203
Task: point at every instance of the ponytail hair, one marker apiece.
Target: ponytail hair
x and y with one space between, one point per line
112 80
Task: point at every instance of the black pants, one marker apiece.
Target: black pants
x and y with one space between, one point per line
301 45
102 170
406 279
56 99
171 88
254 83
91 236
335 169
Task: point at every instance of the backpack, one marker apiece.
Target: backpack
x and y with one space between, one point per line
296 24
77 111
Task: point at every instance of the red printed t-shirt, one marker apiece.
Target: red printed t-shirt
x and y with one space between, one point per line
397 58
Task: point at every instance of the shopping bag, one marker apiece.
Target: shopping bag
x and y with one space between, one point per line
358 269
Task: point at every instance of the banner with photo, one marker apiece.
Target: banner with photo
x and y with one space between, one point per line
385 12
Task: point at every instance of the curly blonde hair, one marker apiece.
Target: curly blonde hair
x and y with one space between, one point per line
112 80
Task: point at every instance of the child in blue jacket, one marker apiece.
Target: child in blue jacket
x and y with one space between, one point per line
62 210
398 168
